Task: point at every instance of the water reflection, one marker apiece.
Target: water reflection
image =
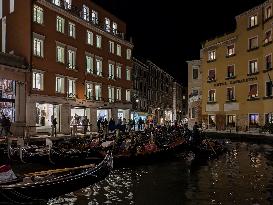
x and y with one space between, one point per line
243 175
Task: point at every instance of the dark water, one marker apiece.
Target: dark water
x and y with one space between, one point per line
241 176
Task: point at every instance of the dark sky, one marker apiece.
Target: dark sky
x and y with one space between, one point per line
170 32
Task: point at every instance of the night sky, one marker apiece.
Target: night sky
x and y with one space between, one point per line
171 32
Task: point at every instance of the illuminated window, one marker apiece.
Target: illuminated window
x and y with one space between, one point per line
89 91
89 64
253 21
230 71
212 96
99 67
89 37
231 94
60 24
128 95
37 80
38 47
38 14
118 71
212 55
268 36
85 11
268 12
253 43
111 47
111 71
253 120
60 54
253 66
253 91
231 50
98 42
118 94
71 91
59 84
71 30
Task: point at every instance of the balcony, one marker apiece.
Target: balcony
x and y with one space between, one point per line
78 12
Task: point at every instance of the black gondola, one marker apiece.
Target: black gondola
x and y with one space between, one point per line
53 185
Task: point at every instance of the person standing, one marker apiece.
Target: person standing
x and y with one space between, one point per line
99 124
54 125
85 123
112 124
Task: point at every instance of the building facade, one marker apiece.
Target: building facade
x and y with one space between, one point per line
180 103
80 63
237 73
140 77
194 92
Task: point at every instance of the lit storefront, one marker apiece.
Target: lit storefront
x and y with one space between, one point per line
168 116
123 114
45 113
104 113
7 98
137 115
78 114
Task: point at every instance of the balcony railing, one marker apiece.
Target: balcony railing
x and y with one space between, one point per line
78 12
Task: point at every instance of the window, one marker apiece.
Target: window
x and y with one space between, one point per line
89 64
60 24
98 41
107 25
118 50
60 54
268 118
212 96
253 120
193 112
128 54
230 121
57 2
111 94
85 11
128 74
71 30
253 66
89 91
95 17
115 28
268 89
231 50
253 91
211 76
111 47
212 121
253 21
194 92
119 71
38 47
128 95
230 71
118 94
98 92
59 84
111 71
268 36
67 4
37 80
38 14
211 55
253 43
230 94
71 88
267 12
71 59
89 36
99 67
195 72
268 62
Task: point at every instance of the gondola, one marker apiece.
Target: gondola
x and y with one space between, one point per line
41 186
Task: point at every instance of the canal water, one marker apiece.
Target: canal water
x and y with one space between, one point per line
241 176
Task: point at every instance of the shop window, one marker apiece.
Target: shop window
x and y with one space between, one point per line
230 121
38 14
59 84
37 80
253 120
268 118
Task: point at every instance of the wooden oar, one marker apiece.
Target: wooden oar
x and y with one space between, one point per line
55 171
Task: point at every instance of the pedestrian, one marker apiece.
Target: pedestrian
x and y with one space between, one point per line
134 124
105 126
140 124
112 124
85 123
99 124
54 125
